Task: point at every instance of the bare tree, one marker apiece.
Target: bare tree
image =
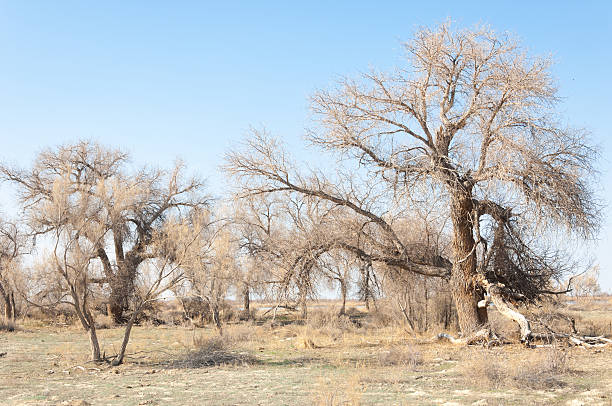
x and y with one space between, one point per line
12 246
472 117
284 238
132 205
338 266
254 221
69 275
587 283
211 270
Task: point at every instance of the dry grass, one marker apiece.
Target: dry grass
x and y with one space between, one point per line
252 363
404 356
543 370
348 392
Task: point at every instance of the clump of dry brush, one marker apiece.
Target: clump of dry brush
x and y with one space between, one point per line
214 351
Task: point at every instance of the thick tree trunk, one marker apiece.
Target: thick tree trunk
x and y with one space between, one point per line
117 304
246 298
343 290
8 309
122 289
9 313
463 274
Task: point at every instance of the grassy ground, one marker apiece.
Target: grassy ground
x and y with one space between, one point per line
279 366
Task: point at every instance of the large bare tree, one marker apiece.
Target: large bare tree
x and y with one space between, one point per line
70 273
471 117
132 205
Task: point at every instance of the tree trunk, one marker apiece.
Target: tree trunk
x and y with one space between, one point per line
8 309
126 339
303 305
217 318
426 322
367 295
13 307
463 273
8 305
88 323
93 340
246 297
343 291
121 290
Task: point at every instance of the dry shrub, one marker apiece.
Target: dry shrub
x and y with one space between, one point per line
153 313
243 315
7 325
200 311
104 322
61 315
487 370
405 356
542 371
329 320
213 351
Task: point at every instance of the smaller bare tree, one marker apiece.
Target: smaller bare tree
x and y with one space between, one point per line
211 269
12 246
586 284
338 267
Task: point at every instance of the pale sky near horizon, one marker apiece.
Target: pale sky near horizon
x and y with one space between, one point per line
167 80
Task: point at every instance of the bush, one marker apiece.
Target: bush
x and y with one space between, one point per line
213 351
329 320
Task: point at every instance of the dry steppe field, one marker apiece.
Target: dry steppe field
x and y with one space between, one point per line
326 361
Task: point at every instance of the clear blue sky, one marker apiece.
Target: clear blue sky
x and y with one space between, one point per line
187 79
